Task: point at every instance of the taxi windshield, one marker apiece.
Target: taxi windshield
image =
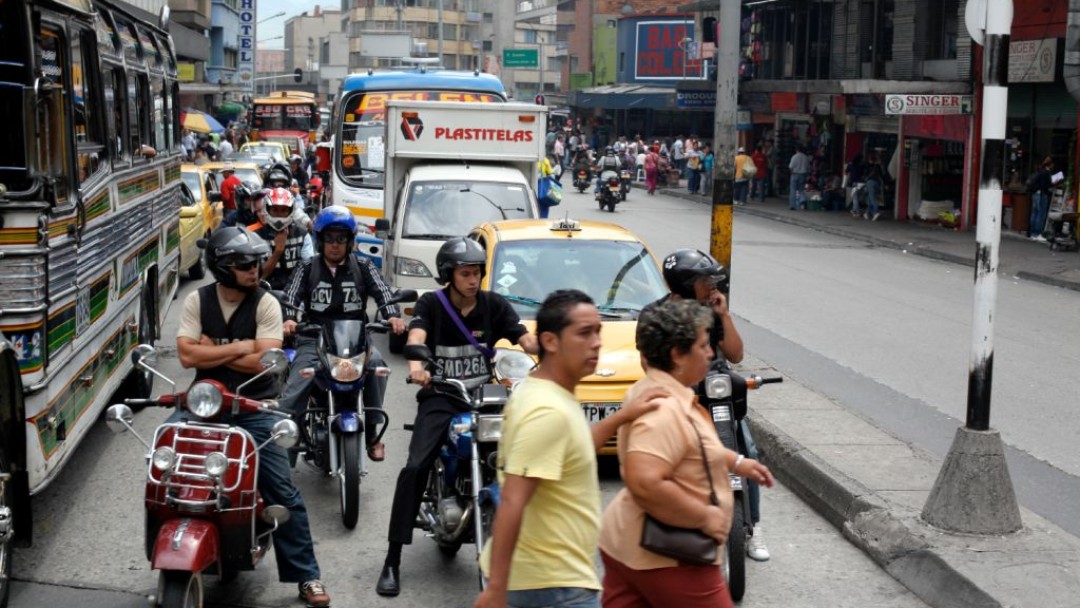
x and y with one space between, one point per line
620 276
192 180
440 210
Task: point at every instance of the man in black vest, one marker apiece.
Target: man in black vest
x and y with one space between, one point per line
225 327
490 318
291 243
330 286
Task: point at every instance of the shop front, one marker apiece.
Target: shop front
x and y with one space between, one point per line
871 132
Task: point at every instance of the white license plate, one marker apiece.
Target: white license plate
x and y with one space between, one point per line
595 412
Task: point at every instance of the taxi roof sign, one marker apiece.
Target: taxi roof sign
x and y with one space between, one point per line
566 224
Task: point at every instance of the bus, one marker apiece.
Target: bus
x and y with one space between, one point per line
90 191
290 117
359 116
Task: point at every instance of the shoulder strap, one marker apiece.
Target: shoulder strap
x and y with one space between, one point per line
314 275
487 352
705 460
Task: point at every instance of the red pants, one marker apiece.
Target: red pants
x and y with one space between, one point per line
682 586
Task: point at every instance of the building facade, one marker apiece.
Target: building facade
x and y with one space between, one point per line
303 36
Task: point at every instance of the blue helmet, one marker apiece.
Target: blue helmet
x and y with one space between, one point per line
334 217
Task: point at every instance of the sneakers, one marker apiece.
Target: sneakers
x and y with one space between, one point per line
314 594
755 546
876 215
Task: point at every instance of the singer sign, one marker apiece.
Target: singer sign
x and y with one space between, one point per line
665 51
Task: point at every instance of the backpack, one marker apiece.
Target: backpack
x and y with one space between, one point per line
749 169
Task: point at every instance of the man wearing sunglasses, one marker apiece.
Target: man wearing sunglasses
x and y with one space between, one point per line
225 327
334 285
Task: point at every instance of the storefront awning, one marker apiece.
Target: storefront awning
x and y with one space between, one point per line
624 97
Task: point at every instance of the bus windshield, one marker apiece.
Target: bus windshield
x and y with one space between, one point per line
285 117
360 153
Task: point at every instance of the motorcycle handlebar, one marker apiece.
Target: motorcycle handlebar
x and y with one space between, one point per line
754 382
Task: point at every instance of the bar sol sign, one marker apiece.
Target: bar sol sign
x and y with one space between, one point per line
929 104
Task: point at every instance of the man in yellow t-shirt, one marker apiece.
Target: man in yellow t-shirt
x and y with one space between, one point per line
546 530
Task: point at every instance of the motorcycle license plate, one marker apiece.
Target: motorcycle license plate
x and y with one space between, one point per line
595 412
613 188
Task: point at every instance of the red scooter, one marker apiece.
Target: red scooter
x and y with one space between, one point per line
204 513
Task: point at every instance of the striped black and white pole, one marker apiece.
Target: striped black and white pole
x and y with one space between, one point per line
999 16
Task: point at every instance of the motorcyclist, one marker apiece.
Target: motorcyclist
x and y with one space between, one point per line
249 205
459 265
582 162
279 176
335 285
291 244
608 162
224 329
296 167
694 274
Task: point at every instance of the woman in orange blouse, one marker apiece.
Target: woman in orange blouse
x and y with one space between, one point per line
660 460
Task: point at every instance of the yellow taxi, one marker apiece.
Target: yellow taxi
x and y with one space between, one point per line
275 151
249 173
528 259
200 214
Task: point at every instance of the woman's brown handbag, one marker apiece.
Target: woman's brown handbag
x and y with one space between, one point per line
688 546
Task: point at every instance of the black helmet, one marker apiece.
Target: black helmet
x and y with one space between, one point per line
608 151
456 252
683 268
232 245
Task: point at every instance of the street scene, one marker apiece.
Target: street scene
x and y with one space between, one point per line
545 303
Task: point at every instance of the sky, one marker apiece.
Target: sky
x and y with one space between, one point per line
276 26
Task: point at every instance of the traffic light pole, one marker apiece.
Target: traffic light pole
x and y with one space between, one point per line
725 137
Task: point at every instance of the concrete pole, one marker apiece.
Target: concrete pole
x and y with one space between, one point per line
973 492
540 64
441 33
725 137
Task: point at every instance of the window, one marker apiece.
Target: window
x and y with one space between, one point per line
941 25
89 130
116 113
487 45
530 36
161 131
52 62
174 116
140 131
488 17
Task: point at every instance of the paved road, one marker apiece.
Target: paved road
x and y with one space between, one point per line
888 335
89 535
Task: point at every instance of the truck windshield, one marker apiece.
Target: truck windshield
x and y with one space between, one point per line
440 210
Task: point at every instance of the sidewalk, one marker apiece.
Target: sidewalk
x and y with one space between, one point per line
872 486
1019 257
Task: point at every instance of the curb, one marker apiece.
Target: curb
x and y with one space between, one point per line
900 545
933 254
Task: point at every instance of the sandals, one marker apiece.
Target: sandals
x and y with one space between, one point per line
377 452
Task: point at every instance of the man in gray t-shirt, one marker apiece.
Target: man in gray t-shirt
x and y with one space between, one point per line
799 166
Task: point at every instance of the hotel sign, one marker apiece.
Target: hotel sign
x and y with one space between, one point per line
929 104
245 61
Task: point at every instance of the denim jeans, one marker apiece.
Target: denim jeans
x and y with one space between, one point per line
796 190
555 597
759 187
873 187
694 183
293 547
1040 205
742 188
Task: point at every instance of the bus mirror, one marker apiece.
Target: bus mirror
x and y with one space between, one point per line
382 228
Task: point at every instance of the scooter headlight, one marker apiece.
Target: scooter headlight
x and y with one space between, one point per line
512 365
204 400
718 386
215 464
346 370
163 459
489 428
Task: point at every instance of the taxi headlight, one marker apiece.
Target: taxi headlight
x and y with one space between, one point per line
346 370
215 464
512 365
163 459
489 428
718 386
204 400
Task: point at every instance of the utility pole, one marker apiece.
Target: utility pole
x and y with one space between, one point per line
441 32
725 137
973 493
540 63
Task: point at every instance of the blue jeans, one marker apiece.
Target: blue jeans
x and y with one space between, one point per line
293 547
1040 205
758 187
694 183
555 597
873 187
742 187
796 190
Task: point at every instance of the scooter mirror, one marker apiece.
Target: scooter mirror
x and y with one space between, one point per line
405 295
118 418
144 353
275 515
286 433
416 352
274 360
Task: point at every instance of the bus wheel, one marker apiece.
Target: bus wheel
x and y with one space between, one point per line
7 530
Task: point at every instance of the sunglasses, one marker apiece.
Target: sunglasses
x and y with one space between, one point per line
245 266
335 239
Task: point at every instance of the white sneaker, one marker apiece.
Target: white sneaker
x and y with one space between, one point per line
755 546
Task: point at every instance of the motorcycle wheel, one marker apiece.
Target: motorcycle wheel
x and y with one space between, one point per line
735 555
6 549
349 480
181 589
448 549
611 206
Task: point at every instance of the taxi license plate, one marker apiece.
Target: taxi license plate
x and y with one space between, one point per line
595 412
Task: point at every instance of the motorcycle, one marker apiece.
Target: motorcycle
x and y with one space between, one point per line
582 179
624 183
332 425
462 493
723 393
610 190
204 513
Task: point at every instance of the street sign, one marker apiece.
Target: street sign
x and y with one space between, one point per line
928 104
521 58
